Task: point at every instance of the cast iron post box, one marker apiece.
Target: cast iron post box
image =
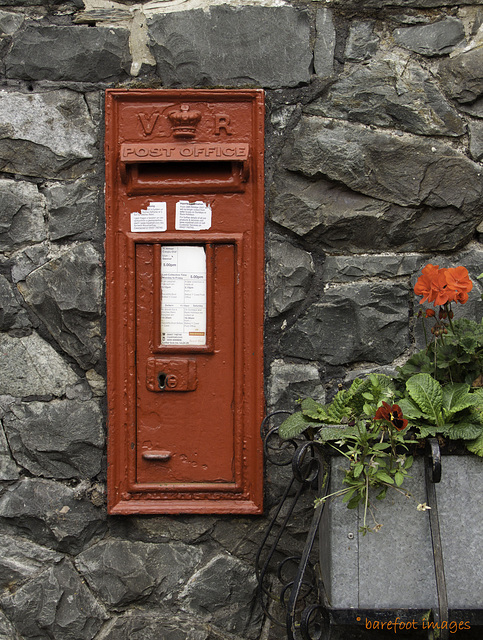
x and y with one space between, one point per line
184 262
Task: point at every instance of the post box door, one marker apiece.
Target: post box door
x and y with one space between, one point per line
184 262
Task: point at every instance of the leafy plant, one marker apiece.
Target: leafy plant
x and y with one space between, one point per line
439 390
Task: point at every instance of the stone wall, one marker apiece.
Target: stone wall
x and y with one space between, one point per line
374 144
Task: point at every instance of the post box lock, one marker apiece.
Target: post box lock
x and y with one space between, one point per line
173 374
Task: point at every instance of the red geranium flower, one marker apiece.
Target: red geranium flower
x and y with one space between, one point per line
393 414
458 280
441 286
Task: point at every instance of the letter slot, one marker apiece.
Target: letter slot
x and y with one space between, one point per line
184 297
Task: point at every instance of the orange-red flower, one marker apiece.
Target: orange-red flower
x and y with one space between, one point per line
441 286
392 414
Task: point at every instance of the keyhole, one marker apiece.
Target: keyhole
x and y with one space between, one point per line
162 380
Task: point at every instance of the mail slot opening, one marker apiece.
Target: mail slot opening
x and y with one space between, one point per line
168 171
194 176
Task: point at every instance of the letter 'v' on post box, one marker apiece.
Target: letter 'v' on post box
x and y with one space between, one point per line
184 293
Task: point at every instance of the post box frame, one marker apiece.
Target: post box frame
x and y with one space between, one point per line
245 493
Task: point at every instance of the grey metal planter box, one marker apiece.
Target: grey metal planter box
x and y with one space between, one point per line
393 568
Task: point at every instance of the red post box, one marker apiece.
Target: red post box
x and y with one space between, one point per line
184 262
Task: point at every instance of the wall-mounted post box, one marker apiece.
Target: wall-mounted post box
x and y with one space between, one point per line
184 261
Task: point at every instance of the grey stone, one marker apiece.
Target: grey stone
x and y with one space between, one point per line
50 134
10 22
142 625
391 91
31 367
56 604
50 513
12 316
419 4
58 439
324 44
77 53
343 221
121 572
189 530
474 108
225 588
8 468
476 140
290 382
21 560
7 632
22 211
66 293
28 259
73 209
462 75
290 272
433 39
232 45
405 170
362 42
96 383
354 268
352 323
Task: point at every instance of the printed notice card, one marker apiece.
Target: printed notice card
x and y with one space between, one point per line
183 295
192 216
151 219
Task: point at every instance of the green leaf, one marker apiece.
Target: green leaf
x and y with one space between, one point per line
384 477
410 409
427 393
325 434
456 397
294 425
313 409
408 463
465 431
476 446
399 478
358 468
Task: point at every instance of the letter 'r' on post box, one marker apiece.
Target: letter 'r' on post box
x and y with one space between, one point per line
184 294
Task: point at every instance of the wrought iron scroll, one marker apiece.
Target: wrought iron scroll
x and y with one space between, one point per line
298 596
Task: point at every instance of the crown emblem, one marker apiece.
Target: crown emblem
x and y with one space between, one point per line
184 121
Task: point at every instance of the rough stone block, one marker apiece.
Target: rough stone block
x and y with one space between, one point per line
28 259
225 589
77 53
56 604
58 439
476 140
73 209
433 39
141 625
10 22
21 560
290 382
289 274
51 514
8 468
324 43
7 632
66 293
462 75
232 45
362 42
12 316
405 170
121 572
343 221
31 367
352 323
22 211
391 91
50 134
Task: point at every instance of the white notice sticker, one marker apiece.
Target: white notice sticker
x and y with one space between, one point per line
151 219
192 216
183 295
